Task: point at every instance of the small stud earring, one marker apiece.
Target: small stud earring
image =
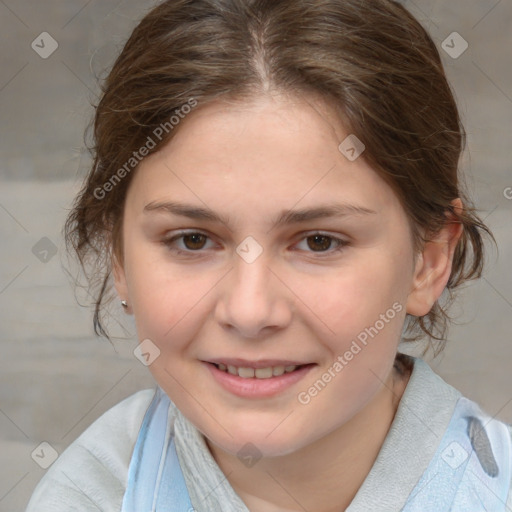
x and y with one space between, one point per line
124 304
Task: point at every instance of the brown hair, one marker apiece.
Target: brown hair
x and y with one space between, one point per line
370 59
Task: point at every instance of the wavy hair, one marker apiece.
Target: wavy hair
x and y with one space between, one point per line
370 59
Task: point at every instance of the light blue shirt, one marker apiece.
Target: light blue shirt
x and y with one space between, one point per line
92 474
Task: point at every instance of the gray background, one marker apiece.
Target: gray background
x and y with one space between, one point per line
56 378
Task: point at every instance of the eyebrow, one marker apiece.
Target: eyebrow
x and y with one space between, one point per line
285 217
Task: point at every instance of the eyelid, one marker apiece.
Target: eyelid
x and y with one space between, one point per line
341 242
312 232
170 238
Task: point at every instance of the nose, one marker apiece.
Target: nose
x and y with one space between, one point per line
253 301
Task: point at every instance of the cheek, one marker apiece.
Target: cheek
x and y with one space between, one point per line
360 315
354 297
162 306
169 301
158 296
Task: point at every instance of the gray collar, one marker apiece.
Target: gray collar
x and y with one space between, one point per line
422 417
423 414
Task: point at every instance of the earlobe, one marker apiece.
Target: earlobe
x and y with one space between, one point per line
120 283
434 265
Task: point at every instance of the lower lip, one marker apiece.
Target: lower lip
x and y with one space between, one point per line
257 388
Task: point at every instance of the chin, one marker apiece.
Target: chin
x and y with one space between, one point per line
256 445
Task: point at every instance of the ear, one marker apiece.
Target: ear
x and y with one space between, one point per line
434 265
120 281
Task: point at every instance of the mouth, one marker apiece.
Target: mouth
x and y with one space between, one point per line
265 372
257 380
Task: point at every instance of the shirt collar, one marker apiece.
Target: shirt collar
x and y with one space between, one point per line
422 416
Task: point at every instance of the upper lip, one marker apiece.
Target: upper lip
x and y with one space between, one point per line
262 363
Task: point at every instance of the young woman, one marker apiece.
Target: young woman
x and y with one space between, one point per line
275 197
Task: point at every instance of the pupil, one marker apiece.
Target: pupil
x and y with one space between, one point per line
319 238
194 237
321 242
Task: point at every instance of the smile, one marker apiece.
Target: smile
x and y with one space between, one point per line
257 383
257 373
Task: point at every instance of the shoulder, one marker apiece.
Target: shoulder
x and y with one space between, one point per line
429 396
91 473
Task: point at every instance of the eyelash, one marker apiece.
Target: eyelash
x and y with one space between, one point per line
169 241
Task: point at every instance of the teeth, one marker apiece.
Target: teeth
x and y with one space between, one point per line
246 373
258 373
263 373
277 370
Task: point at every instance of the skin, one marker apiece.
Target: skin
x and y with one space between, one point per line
248 162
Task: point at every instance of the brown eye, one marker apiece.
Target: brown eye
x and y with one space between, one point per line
320 242
194 241
187 243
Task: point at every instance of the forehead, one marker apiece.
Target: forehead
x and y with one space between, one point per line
301 123
268 151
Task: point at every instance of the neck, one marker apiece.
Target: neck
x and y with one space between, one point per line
323 476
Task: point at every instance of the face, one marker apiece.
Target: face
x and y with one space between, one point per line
265 286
